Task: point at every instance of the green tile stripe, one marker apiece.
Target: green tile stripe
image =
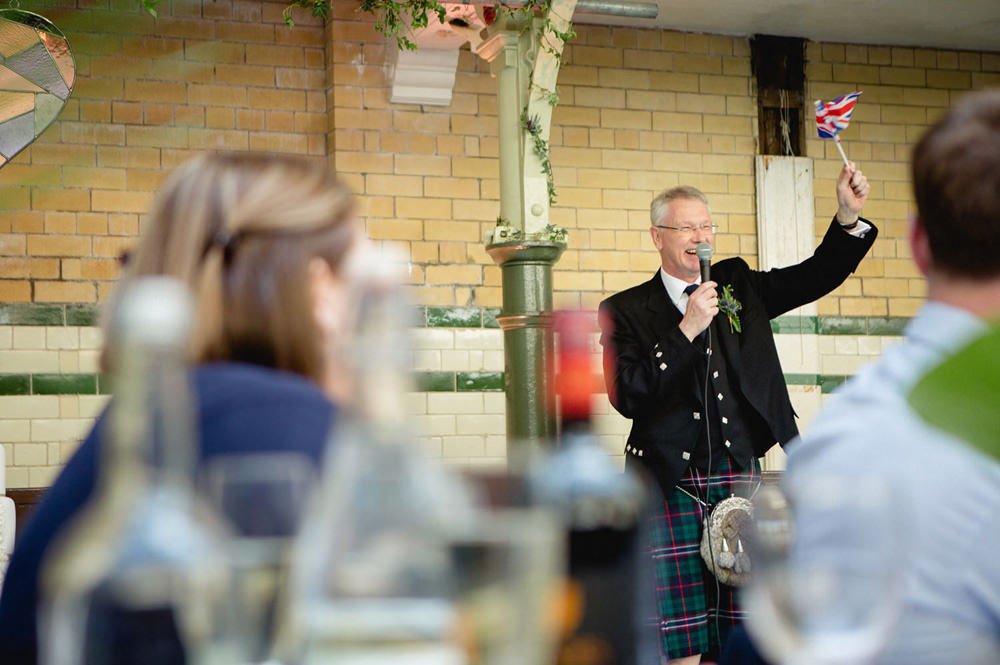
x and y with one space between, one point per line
30 314
37 314
64 384
454 317
879 326
827 382
15 384
81 315
830 382
802 379
436 382
793 325
479 381
49 384
490 315
887 325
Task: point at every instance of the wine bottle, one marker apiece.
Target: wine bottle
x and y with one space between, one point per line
607 603
138 576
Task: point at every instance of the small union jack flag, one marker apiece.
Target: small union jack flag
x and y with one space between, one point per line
832 117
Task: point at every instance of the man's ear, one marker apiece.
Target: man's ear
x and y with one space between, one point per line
655 235
920 246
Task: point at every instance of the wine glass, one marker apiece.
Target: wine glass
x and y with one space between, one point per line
262 498
505 566
826 570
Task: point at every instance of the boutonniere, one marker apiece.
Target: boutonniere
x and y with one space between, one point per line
731 306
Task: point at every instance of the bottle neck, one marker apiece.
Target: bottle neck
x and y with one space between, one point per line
150 438
381 363
575 429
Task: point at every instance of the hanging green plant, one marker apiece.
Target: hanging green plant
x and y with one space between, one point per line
551 41
541 150
149 6
550 96
547 32
393 19
319 8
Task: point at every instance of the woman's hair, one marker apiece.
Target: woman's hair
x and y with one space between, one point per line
240 229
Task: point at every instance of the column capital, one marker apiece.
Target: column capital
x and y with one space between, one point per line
504 43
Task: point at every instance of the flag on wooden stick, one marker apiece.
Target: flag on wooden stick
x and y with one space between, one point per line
833 117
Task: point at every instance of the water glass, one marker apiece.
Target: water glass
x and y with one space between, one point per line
826 570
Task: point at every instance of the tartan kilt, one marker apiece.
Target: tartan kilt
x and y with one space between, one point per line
694 611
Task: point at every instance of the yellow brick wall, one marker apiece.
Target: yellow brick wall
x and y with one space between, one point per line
905 90
205 75
640 110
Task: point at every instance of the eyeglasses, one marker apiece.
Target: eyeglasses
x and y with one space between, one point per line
688 230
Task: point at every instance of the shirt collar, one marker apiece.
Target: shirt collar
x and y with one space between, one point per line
675 287
944 328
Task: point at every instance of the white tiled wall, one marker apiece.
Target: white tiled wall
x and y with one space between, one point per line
39 432
467 429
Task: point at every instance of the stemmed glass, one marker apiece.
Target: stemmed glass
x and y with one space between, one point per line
262 498
504 566
826 570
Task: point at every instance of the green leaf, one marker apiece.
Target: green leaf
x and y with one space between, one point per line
149 6
962 395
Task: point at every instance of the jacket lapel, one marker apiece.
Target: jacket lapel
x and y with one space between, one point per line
729 340
663 313
664 316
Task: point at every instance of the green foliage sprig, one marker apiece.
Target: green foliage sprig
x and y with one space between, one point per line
390 20
731 307
541 150
557 234
547 32
149 6
319 8
503 232
393 19
551 96
548 37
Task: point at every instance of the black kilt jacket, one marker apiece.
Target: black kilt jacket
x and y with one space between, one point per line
653 373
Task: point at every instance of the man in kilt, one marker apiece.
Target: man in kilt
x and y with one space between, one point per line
705 391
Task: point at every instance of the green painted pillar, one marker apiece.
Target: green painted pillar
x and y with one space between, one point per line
522 245
526 269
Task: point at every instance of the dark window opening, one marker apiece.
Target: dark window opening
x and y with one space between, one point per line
779 67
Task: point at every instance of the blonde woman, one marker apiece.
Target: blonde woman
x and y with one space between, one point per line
263 242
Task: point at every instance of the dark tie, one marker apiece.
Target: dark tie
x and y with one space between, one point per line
689 289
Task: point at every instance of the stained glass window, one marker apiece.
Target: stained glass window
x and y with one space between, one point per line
37 72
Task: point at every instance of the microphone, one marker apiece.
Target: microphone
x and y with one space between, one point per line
704 253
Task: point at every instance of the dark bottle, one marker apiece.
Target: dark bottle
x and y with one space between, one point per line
607 604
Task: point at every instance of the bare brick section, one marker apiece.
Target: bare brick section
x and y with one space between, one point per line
904 91
148 96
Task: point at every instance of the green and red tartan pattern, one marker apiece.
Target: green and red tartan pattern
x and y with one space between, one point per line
686 599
